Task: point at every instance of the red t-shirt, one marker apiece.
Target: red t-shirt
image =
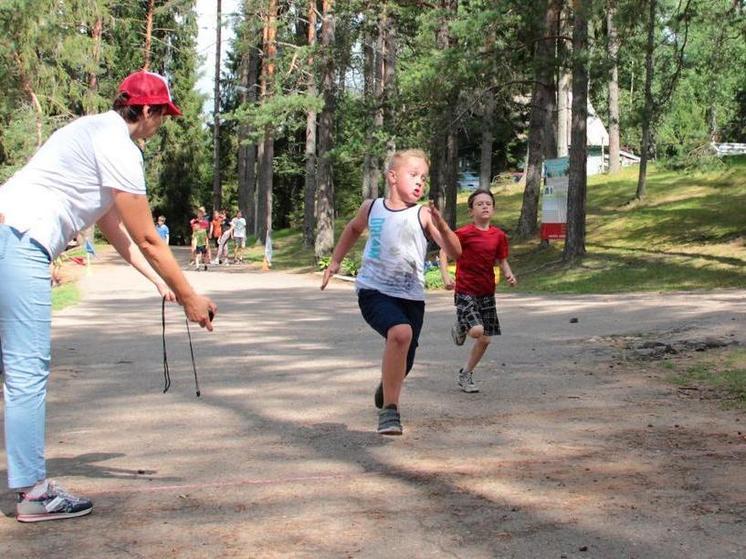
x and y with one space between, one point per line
475 274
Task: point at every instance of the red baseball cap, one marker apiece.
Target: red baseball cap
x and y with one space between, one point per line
147 88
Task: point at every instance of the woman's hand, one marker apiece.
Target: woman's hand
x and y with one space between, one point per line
200 309
165 291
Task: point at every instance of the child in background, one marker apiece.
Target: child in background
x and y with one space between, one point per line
222 256
482 244
391 281
162 229
199 242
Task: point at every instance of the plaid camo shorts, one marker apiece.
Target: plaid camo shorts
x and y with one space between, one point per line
472 311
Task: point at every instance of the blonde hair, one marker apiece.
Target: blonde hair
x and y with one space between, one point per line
400 155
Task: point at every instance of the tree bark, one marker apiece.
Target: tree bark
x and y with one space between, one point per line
325 205
309 189
542 109
264 195
488 138
247 152
28 89
451 175
648 108
614 147
148 35
371 171
576 192
217 188
389 79
444 143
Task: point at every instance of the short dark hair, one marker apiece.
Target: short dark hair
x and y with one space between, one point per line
470 201
132 113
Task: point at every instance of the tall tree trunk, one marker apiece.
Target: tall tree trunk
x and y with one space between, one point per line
389 78
379 62
217 188
549 83
563 114
444 143
576 192
28 89
148 35
325 200
264 195
564 84
648 108
96 33
614 162
309 189
542 108
488 138
451 174
247 152
371 171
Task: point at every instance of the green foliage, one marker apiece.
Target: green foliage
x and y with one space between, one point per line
66 295
433 279
350 265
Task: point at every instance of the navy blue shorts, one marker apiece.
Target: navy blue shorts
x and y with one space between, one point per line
382 312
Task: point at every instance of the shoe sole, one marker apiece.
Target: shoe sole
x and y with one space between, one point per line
51 516
390 431
468 390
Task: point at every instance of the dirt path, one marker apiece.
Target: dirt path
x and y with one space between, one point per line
573 448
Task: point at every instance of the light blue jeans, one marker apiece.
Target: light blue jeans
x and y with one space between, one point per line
25 348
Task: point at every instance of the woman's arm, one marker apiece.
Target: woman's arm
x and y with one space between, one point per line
133 212
112 228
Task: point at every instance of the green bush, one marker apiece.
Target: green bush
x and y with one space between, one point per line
350 265
433 279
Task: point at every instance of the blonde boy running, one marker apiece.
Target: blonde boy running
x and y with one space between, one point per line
391 282
482 245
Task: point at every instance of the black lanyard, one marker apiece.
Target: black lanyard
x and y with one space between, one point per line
166 371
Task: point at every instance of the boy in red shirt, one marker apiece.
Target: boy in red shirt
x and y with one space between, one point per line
482 246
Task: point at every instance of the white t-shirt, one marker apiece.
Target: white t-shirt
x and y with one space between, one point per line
239 227
394 256
66 187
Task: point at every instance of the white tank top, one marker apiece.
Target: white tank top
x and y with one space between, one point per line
394 256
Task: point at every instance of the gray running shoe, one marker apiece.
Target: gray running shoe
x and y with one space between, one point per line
54 504
458 334
389 421
466 383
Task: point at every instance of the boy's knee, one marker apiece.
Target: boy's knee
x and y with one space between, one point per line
476 332
401 334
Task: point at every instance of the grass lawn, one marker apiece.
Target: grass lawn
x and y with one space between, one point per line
688 233
723 371
64 295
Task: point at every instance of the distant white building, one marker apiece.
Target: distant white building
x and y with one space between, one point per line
597 136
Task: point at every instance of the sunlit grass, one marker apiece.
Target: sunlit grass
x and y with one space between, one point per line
724 371
65 295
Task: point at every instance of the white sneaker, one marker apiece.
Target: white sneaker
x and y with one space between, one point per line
466 383
54 503
457 334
